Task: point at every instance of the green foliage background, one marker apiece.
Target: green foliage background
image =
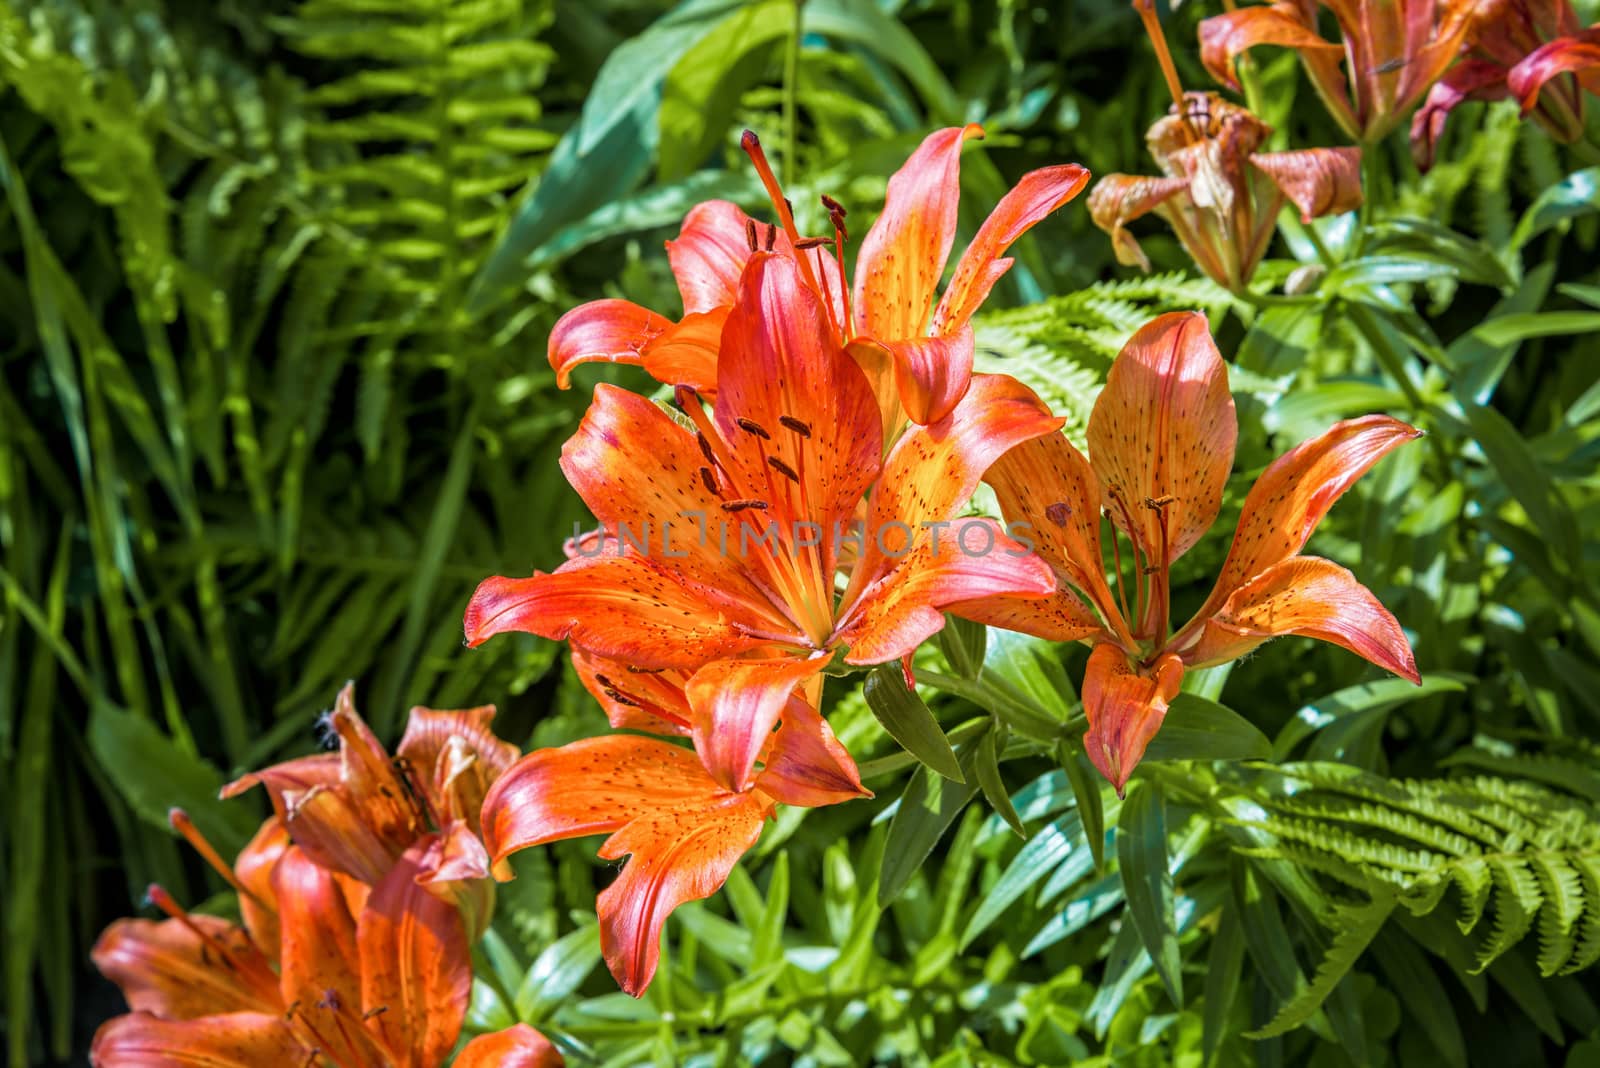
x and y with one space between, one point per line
275 283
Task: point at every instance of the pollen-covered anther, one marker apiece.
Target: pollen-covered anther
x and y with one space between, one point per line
1158 503
705 449
805 244
709 480
783 469
750 233
771 239
750 426
376 1010
619 697
789 421
745 505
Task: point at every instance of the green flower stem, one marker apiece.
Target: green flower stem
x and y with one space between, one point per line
791 93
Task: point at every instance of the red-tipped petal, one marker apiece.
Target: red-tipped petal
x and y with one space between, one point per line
234 1040
610 331
1125 708
651 701
1162 434
902 257
1309 596
1223 38
1470 79
736 706
1119 199
931 374
683 830
969 560
1578 55
1318 181
807 765
782 372
623 608
1295 492
167 969
1033 198
416 976
515 1047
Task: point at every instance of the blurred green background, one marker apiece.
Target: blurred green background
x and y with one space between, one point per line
275 286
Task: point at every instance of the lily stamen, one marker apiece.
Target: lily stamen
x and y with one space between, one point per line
1169 70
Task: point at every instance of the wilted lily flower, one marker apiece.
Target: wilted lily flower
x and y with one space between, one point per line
324 969
1531 40
682 830
721 545
1392 52
1218 193
1161 442
359 810
919 365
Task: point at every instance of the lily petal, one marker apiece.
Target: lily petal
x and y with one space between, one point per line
1578 55
416 977
1295 492
321 974
1470 79
233 1040
1060 617
456 756
903 256
789 399
1225 37
1318 181
167 969
651 701
953 567
1125 708
610 331
709 255
807 765
1162 435
623 608
684 831
254 867
1119 199
686 353
519 1046
330 827
931 374
1033 198
736 706
1313 597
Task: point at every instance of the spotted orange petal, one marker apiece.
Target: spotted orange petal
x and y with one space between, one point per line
931 374
904 253
635 700
1033 198
253 868
806 764
1162 434
736 706
1295 492
1125 707
686 353
709 255
167 968
455 757
416 976
684 831
515 1047
1313 597
233 1040
1318 181
608 331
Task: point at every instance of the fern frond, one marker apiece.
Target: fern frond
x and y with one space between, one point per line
1354 928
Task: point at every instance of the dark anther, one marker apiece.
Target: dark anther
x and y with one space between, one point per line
378 1011
1159 503
1059 513
620 698
833 206
705 449
750 233
745 505
604 682
772 237
750 426
805 244
708 479
779 466
637 670
796 425
787 203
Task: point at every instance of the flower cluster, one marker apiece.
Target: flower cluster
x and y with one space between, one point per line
359 900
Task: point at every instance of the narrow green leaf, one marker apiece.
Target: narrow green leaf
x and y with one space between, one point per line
1037 859
1417 985
964 644
986 762
1354 928
926 810
909 721
1198 729
1223 967
1088 789
1147 882
558 972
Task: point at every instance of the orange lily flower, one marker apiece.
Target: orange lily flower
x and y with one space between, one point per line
358 810
323 967
1504 40
682 830
920 365
722 544
1392 50
1218 193
1161 443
